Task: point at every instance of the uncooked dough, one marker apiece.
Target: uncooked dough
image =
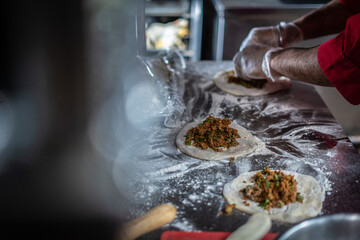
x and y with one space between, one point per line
295 212
221 82
247 144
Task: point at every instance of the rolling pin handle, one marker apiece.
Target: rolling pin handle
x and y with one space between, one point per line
154 219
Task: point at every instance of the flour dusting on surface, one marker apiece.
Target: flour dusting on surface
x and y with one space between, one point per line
292 134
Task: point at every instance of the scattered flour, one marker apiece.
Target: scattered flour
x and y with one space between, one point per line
290 135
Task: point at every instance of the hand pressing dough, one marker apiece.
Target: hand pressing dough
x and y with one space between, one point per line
221 81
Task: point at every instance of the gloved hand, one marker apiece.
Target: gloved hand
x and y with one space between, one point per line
248 62
265 65
256 51
253 62
282 35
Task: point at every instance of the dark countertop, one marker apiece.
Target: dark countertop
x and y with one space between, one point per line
295 124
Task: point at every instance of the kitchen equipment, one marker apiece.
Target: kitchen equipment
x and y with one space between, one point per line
155 218
337 226
173 24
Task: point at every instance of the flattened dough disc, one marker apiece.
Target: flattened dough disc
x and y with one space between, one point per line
247 144
308 187
221 82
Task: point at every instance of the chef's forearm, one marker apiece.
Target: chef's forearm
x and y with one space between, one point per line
299 64
329 19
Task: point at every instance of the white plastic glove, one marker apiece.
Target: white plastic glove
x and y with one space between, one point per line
248 62
282 35
266 68
256 51
253 62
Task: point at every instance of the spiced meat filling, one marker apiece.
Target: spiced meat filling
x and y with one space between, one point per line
258 83
213 133
272 189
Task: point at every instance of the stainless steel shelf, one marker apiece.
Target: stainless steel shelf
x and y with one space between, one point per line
186 9
167 8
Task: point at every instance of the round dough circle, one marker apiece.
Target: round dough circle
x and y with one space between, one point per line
247 144
221 82
291 213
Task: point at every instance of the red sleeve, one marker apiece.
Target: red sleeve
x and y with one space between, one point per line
354 5
339 59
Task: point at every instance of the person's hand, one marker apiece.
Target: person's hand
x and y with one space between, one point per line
253 59
282 35
248 62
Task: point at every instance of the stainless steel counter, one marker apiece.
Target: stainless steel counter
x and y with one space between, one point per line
298 129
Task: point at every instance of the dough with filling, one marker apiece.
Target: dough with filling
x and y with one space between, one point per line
295 212
247 144
221 82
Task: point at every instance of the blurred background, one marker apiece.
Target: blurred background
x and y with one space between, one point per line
64 61
68 76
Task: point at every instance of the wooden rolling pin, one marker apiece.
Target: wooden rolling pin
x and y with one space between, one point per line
155 218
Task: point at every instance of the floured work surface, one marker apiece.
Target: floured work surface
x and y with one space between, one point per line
298 130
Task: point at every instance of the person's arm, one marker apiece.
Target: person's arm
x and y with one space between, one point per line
329 19
253 62
299 64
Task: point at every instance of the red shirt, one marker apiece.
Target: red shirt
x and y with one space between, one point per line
339 58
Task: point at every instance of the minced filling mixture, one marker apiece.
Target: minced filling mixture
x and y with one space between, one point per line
272 189
213 133
259 83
